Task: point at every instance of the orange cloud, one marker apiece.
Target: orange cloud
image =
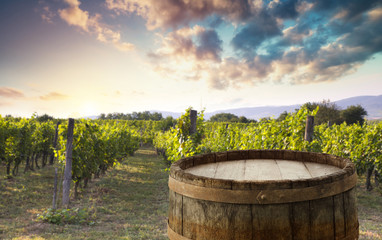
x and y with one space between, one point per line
75 16
53 96
169 13
47 15
10 93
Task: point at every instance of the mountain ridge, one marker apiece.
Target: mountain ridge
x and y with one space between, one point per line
372 104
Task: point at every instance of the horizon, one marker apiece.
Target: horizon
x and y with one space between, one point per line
173 113
76 58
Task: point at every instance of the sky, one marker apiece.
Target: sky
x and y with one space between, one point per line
75 58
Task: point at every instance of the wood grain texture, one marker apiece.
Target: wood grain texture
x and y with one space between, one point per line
211 220
321 219
262 169
339 216
230 170
271 222
279 193
263 195
350 209
293 170
300 221
175 212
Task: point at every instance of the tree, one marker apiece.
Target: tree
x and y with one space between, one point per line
243 119
354 114
102 116
44 118
328 113
146 115
224 117
166 123
282 116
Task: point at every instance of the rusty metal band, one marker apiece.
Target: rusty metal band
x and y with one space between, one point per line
172 235
269 196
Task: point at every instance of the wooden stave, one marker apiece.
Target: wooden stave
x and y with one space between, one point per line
294 226
177 169
336 223
263 196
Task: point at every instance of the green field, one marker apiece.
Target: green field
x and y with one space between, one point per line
129 202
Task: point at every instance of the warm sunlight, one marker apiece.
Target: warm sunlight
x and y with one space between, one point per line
88 109
83 58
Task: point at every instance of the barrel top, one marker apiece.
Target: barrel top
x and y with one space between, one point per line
262 169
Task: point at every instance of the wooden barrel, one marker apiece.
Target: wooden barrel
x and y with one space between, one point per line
263 194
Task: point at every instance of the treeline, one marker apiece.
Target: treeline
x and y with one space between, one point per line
229 117
146 115
329 113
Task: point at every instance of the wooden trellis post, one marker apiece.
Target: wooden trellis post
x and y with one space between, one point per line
68 165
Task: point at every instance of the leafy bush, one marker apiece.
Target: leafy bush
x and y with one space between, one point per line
66 216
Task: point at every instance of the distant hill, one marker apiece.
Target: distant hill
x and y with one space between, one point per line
372 104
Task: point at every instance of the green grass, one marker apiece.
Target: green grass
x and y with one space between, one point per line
369 210
129 202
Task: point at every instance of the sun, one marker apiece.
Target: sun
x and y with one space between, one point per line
88 109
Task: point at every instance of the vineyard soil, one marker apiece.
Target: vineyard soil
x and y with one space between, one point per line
129 202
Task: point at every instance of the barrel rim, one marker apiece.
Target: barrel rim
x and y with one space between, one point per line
177 172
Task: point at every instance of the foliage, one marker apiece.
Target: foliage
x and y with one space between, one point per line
360 143
354 114
66 216
229 117
224 117
215 137
178 142
44 118
328 113
282 116
96 147
21 139
98 144
146 115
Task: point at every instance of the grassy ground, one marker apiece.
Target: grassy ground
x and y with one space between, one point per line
369 211
129 202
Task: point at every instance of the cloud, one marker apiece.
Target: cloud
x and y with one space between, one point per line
287 9
261 27
187 43
294 42
209 45
375 14
175 13
53 96
75 16
47 15
187 53
11 93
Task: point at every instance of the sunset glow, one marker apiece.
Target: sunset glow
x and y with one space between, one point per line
78 58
